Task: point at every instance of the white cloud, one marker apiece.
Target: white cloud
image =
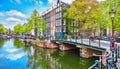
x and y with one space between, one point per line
40 2
15 56
15 13
1 14
11 50
37 2
12 19
52 2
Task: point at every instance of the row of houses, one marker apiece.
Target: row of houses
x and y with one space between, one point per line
57 26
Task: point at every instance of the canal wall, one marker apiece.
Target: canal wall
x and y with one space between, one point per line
49 44
44 44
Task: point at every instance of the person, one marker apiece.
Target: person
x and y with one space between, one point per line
92 36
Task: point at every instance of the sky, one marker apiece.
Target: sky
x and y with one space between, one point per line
14 12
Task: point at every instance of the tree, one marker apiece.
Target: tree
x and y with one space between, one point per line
42 27
108 5
3 29
86 13
17 29
34 21
37 23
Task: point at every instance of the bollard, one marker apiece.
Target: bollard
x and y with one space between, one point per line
116 54
118 51
89 42
99 43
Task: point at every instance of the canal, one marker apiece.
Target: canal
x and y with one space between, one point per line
14 54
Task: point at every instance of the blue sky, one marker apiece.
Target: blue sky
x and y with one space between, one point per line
13 12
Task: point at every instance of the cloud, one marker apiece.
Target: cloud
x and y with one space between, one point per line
15 13
40 2
12 19
1 14
11 50
37 2
15 56
52 2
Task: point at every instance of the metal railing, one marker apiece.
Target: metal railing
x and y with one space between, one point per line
97 42
110 64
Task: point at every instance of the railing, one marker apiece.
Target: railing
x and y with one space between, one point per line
97 42
109 63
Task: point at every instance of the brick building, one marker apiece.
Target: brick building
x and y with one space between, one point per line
54 20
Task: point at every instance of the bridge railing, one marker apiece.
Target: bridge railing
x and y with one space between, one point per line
97 41
89 41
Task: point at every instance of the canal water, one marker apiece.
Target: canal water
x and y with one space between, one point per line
14 54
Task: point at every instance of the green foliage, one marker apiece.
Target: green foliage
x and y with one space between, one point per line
36 23
43 25
107 6
34 20
86 13
17 29
19 44
3 29
2 41
93 15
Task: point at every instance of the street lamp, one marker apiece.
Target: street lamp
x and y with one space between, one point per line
112 47
112 14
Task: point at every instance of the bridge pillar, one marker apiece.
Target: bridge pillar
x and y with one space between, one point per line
49 44
87 52
67 47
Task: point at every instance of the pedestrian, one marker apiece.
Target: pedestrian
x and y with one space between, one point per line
92 36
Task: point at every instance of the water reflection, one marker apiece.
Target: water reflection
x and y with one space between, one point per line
55 59
15 55
2 41
12 57
19 44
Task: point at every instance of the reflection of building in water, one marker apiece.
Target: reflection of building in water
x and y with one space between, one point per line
32 51
55 59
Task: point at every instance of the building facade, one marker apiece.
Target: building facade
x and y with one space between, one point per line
54 20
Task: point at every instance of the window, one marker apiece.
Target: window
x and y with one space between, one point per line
60 14
64 30
60 29
60 22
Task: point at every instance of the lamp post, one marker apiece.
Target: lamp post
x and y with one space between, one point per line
112 47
